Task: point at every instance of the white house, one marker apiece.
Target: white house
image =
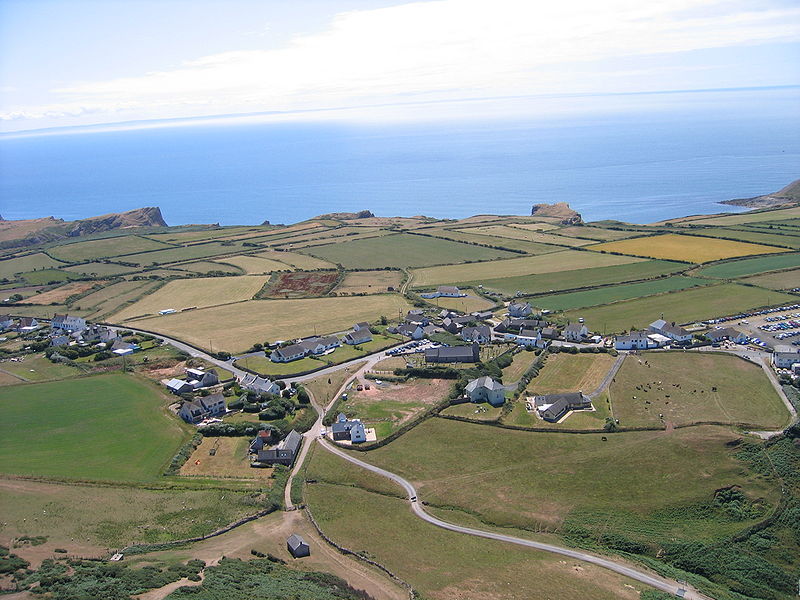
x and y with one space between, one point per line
362 335
444 291
260 385
67 323
785 356
320 345
27 324
671 330
727 333
481 334
6 322
519 309
415 332
575 332
198 378
635 340
528 338
351 430
486 389
288 353
202 408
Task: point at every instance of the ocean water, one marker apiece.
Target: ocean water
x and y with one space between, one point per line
641 164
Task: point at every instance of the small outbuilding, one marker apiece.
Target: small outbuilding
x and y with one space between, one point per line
297 546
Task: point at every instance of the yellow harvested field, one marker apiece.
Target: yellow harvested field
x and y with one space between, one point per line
256 265
298 261
60 294
516 232
693 249
201 292
369 282
236 327
568 260
571 373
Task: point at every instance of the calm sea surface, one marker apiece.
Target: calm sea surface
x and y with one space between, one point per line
638 165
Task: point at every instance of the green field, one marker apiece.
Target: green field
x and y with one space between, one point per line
162 257
566 260
45 276
402 250
571 373
779 280
104 248
255 265
750 266
36 368
514 244
206 266
615 293
12 266
537 481
295 260
236 327
99 269
687 388
108 427
533 284
520 233
748 217
750 235
682 307
521 363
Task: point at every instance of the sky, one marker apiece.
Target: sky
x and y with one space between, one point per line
67 63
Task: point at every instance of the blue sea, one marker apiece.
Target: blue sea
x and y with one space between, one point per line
641 163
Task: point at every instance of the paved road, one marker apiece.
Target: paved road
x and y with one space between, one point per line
651 579
612 372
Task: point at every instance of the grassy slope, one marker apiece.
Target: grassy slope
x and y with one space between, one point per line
111 427
22 264
571 373
115 246
750 266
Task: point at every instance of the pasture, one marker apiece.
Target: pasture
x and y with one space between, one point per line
256 265
520 233
566 260
236 327
514 244
207 266
476 412
538 480
31 262
36 368
781 280
45 276
686 306
201 292
749 217
687 388
466 566
691 249
402 250
596 233
369 282
116 296
750 266
521 363
60 294
754 236
100 269
185 253
109 427
295 260
564 372
104 248
605 295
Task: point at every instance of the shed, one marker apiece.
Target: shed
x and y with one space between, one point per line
297 546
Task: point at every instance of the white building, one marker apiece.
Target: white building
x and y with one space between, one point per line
785 356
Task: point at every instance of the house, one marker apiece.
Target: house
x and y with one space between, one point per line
297 546
320 345
481 334
121 348
554 406
284 453
519 309
264 438
635 340
515 325
486 389
360 326
528 338
672 331
453 354
575 332
449 291
415 332
362 335
785 356
348 430
198 378
727 333
179 386
6 322
482 315
27 324
259 385
60 340
288 353
194 411
67 323
550 333
95 333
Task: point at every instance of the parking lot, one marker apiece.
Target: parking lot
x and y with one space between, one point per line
768 327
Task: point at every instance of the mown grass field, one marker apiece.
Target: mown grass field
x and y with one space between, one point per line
521 363
296 260
236 327
692 249
201 292
615 293
537 480
596 233
687 388
10 266
109 427
465 566
132 292
514 244
104 248
751 235
171 255
37 368
256 265
230 459
402 250
748 217
476 412
520 233
369 282
683 307
571 373
566 260
534 284
207 266
45 276
99 269
782 280
750 266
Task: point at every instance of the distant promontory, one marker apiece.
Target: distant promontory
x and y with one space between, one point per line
788 195
559 210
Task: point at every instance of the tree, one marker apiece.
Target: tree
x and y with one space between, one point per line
302 396
15 297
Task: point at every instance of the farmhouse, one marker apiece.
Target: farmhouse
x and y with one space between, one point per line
554 406
519 309
635 340
284 453
785 356
453 354
670 330
528 338
481 334
575 332
67 323
727 333
348 430
201 408
6 322
486 389
361 335
259 385
297 546
288 353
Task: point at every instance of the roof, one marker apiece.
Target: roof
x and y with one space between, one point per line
295 541
574 328
447 289
176 383
362 325
484 382
443 353
292 441
658 324
292 350
784 349
633 335
675 329
726 332
569 397
480 330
